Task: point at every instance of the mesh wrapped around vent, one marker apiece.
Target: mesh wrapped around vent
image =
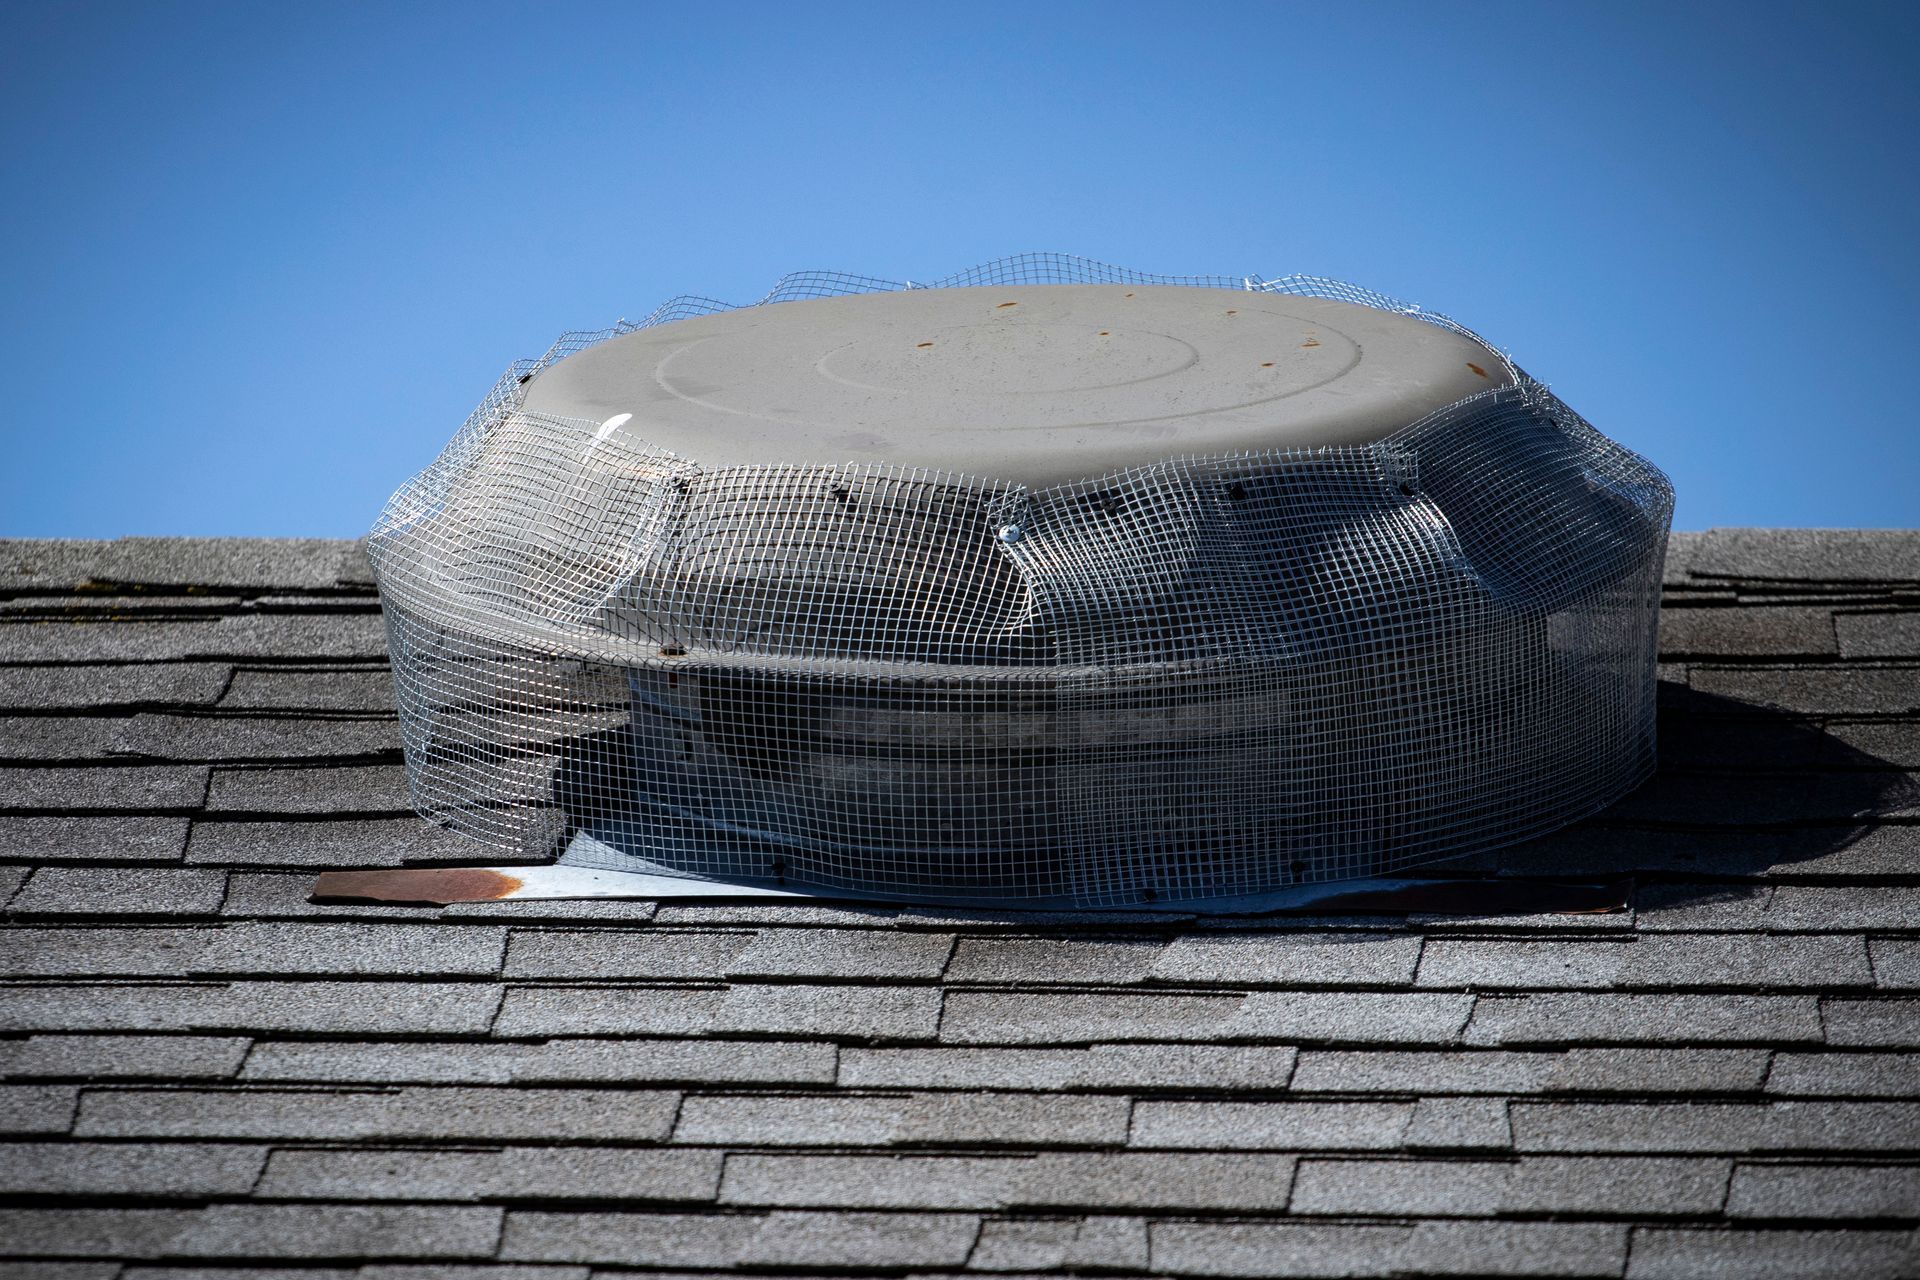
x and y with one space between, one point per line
1203 677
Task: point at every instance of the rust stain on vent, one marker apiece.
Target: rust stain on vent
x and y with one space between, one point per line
435 885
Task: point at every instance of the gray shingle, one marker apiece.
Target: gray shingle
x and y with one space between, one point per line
720 1240
1092 960
1813 906
355 688
388 1008
425 950
1388 1071
236 638
861 1240
636 1239
855 1120
98 789
1051 1017
93 840
622 953
419 1111
1685 908
1682 548
335 790
1673 960
36 1108
1400 1188
287 563
1270 959
1608 1018
1067 1017
340 1231
241 738
1100 1066
127 1168
49 563
1515 1249
1895 743
521 1173
1271 1126
1354 1016
467 1271
1824 1191
1103 1180
166 1057
1733 1127
1896 962
1814 691
846 953
102 891
1458 1124
1675 1253
1879 635
854 1013
22 1269
1739 801
373 842
1688 1070
1544 963
654 1011
1537 1184
1747 632
555 1062
1876 1023
1810 555
92 1233
102 686
1269 1249
11 879
1046 1244
221 1270
57 739
1842 1075
83 952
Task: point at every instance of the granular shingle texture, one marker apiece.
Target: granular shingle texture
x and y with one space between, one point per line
206 1074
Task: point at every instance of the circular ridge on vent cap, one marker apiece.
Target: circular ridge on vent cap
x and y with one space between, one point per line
1029 384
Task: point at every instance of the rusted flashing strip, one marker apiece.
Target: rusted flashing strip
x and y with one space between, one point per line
429 886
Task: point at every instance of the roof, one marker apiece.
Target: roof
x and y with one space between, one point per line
205 1069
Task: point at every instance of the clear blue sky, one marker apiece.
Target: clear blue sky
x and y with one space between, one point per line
260 260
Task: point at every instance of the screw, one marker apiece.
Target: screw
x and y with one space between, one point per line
1011 533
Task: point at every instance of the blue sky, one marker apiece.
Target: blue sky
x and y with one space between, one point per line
261 260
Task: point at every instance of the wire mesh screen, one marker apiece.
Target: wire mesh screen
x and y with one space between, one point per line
1205 677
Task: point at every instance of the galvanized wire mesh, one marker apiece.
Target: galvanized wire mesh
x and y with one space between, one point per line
1205 677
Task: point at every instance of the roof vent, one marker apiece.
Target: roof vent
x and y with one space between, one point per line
1047 584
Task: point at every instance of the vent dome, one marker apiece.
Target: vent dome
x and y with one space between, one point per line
1050 584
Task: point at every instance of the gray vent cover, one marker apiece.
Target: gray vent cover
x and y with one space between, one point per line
1047 584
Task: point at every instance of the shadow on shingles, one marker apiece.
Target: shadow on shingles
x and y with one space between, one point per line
1742 789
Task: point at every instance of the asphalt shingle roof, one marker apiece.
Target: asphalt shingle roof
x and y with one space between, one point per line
203 1069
